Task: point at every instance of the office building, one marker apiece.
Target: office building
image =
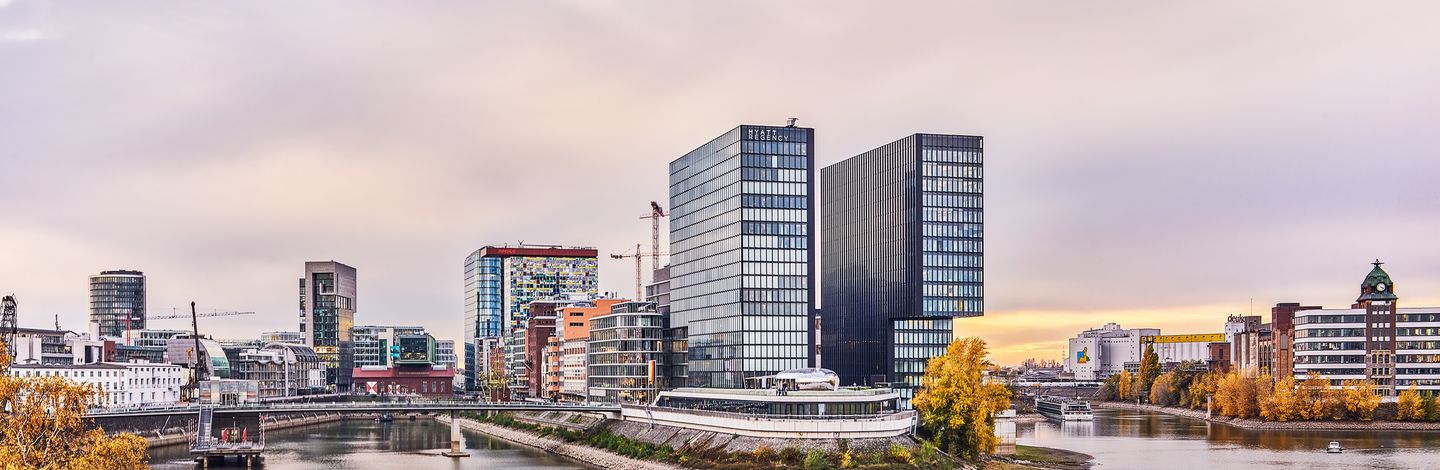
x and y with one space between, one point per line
626 354
445 352
741 269
153 338
278 369
373 343
500 283
1393 348
572 327
539 330
41 346
1282 326
676 342
327 313
903 255
117 302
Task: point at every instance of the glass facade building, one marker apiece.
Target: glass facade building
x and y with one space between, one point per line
117 302
627 354
500 283
903 254
327 316
741 264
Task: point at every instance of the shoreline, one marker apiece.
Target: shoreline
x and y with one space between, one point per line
1262 425
579 452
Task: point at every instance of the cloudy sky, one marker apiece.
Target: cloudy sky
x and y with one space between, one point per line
1156 164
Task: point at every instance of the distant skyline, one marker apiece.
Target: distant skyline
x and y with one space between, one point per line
1151 164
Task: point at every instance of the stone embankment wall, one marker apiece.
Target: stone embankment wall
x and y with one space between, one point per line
678 438
182 435
581 452
1259 424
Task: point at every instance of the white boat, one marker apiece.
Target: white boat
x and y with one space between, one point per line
1063 409
1334 447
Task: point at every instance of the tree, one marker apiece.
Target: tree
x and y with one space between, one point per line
1149 367
45 427
1360 399
1409 407
1283 403
1431 412
1238 396
1315 398
1163 391
957 406
1203 386
1125 386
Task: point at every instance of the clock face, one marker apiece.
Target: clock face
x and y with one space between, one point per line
1380 287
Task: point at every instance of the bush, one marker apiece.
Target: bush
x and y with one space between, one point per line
763 454
791 456
815 460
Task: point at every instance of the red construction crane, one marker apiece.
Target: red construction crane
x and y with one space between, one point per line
655 214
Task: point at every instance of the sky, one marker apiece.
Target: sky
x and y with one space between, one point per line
1154 164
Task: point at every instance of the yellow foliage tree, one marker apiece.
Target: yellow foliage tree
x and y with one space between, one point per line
957 406
1203 386
1162 391
1361 399
1315 399
1238 396
1282 403
1408 407
1125 386
44 426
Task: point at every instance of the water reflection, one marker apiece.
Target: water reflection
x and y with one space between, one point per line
412 445
1138 439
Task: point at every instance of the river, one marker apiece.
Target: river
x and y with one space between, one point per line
403 444
1124 439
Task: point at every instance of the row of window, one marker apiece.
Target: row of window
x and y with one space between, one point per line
952 275
951 200
950 214
953 290
773 174
774 161
952 260
950 170
950 245
938 229
768 201
951 156
950 185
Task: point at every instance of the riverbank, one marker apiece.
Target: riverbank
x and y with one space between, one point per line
580 452
1262 425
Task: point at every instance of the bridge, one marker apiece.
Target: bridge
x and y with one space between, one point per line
415 406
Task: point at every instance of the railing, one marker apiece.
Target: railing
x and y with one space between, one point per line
343 406
884 416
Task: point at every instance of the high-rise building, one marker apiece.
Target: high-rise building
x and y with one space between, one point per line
903 254
117 302
500 283
327 313
741 223
676 342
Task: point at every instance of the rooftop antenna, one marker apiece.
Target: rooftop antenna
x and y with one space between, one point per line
57 322
790 122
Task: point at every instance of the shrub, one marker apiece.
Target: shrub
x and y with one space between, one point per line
815 460
763 454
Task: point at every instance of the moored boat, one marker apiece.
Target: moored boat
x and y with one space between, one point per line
1063 409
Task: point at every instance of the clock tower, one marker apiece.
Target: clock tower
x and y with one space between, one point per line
1377 298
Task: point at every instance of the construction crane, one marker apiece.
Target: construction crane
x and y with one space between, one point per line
656 212
7 323
638 255
174 313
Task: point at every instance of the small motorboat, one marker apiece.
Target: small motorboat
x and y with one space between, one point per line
1334 448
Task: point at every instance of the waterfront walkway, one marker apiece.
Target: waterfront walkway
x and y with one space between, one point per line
1259 424
351 407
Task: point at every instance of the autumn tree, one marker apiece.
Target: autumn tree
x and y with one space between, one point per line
43 426
1149 367
1125 386
1360 399
957 406
1163 391
1282 403
1203 386
1409 407
1315 399
1238 394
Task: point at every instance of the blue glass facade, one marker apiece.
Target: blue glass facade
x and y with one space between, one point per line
741 264
903 255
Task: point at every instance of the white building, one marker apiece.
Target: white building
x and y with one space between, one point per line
1102 352
119 384
445 352
40 346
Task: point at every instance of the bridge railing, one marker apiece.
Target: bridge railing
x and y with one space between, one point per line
342 406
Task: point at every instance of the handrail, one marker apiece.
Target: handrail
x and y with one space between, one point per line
888 416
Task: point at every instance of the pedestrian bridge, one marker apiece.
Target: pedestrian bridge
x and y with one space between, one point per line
415 406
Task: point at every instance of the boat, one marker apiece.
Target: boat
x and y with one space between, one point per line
385 418
1063 409
1334 448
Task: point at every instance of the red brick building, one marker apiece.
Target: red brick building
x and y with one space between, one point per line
405 380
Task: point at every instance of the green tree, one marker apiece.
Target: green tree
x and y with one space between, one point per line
1427 404
957 405
1149 367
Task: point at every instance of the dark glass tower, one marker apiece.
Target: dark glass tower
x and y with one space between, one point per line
902 256
741 264
117 302
327 314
